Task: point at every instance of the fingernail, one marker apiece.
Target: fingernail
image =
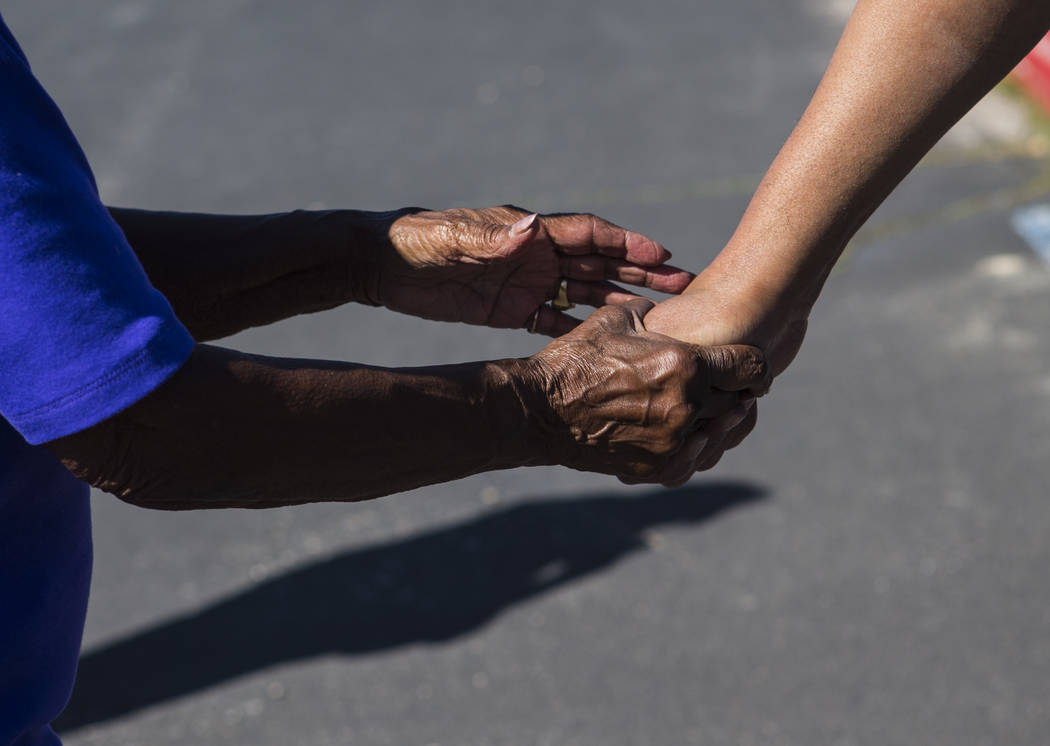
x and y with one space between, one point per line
524 225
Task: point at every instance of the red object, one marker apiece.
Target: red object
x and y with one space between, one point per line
1034 72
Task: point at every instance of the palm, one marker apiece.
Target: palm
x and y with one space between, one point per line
501 295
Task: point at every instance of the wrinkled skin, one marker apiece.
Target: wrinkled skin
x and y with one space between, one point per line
498 266
640 405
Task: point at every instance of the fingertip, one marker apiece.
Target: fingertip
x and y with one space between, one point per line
738 434
735 368
645 251
551 323
639 306
699 442
711 460
752 367
679 482
668 279
598 294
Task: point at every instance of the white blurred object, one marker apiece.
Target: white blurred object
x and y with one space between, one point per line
1032 223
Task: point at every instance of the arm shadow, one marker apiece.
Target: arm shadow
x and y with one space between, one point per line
427 588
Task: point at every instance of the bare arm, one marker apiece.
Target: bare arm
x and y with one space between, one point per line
236 430
902 74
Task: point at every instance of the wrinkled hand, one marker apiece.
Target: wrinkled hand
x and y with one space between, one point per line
498 266
626 401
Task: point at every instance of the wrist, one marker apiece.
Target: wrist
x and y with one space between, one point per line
723 308
516 397
760 305
778 263
366 250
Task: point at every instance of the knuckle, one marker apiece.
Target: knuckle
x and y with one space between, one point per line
492 234
452 232
594 224
675 358
720 358
613 318
679 356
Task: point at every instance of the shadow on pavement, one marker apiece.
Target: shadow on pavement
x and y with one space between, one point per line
427 588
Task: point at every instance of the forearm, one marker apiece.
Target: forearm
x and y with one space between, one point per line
237 430
225 273
902 74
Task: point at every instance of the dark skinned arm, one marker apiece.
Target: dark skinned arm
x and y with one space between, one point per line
225 273
236 430
495 266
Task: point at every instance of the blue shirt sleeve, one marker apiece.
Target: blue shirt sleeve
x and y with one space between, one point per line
83 334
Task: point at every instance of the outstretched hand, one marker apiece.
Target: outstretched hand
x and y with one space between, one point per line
498 266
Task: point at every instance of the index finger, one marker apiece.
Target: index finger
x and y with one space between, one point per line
736 368
581 233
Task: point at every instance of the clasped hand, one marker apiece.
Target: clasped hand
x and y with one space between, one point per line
643 406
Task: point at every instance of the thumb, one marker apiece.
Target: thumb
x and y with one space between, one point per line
524 227
494 240
736 368
638 307
484 241
621 318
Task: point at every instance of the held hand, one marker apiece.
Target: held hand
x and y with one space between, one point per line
714 312
711 312
623 400
498 266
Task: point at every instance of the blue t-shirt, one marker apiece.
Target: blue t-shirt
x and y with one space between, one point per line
83 335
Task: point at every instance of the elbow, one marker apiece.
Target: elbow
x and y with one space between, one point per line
105 457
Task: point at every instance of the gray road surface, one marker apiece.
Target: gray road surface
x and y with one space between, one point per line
870 568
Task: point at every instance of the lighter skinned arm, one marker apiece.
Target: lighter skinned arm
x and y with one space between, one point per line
903 73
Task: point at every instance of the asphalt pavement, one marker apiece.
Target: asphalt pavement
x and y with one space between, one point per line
868 568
